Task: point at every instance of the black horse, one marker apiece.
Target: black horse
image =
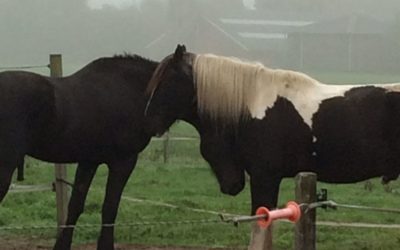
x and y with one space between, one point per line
276 123
91 117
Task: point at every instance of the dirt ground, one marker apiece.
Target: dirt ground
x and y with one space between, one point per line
34 244
30 246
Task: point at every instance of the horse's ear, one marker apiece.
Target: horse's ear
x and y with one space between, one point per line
179 51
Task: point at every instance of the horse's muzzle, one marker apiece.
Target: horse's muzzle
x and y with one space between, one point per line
232 189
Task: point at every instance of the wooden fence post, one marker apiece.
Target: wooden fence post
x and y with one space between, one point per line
261 238
60 169
305 192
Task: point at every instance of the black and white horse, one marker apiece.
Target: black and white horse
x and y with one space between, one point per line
276 123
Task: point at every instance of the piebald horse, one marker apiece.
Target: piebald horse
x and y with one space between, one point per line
274 123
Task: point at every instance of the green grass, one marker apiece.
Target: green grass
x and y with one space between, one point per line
186 181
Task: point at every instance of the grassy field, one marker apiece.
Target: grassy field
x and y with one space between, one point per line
187 182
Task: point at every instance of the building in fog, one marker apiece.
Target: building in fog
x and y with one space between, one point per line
356 42
349 43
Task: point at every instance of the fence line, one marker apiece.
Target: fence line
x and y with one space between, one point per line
357 225
127 224
30 188
25 67
169 205
322 223
261 239
176 139
334 205
194 221
166 138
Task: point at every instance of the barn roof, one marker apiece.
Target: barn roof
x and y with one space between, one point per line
260 29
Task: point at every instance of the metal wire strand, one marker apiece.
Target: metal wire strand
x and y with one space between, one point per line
25 67
334 205
130 224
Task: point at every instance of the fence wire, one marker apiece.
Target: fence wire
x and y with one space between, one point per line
334 205
226 220
128 224
25 67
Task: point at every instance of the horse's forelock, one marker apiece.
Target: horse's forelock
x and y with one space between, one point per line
157 76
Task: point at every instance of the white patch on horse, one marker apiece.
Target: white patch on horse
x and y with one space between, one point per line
305 93
227 88
265 95
307 102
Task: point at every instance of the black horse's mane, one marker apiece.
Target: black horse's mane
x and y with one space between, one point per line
127 55
124 56
106 63
135 57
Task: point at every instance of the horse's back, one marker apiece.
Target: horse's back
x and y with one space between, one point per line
99 118
25 89
94 115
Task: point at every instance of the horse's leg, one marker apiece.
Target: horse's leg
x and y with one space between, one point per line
20 173
7 167
264 191
11 156
83 178
119 173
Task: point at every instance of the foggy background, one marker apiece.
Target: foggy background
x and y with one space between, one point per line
318 35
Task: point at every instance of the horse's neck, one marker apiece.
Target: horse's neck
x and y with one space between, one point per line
133 70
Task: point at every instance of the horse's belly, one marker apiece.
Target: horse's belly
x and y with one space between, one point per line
352 136
347 173
343 163
101 151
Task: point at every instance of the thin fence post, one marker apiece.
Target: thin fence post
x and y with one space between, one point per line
305 192
60 169
166 146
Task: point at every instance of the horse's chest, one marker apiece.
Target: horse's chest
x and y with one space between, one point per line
281 138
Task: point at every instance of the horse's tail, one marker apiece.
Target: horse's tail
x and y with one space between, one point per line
20 172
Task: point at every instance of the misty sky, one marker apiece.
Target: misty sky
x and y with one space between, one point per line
97 4
261 30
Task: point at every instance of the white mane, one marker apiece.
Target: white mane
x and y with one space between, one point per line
229 89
